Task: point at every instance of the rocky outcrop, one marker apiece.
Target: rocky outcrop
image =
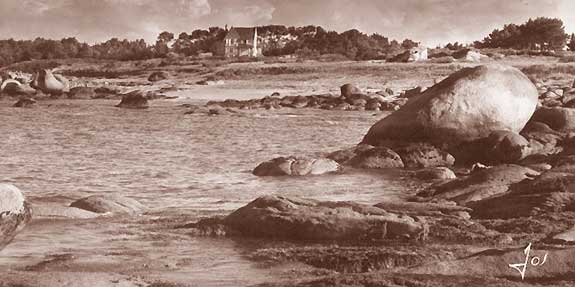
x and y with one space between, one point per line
422 155
468 105
550 193
134 100
480 185
109 204
15 213
498 148
294 166
309 220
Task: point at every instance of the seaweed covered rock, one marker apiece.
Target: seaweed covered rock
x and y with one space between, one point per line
301 219
468 105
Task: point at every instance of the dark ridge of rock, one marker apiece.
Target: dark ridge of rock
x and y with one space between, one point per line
422 155
558 118
354 259
500 147
15 213
109 204
133 100
424 208
480 185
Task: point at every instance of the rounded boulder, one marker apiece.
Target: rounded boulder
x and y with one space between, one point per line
468 105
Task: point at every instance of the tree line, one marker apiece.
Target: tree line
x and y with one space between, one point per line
278 40
542 33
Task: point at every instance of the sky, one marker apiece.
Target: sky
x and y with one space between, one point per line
430 22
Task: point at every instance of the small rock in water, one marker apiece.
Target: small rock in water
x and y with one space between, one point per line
25 103
158 76
133 100
109 203
296 167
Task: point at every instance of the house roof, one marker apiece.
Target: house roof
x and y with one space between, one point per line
241 33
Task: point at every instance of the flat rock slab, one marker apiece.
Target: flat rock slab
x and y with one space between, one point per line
302 219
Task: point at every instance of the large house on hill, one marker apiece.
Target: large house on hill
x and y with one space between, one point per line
241 41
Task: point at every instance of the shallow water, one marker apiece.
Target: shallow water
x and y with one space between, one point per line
172 163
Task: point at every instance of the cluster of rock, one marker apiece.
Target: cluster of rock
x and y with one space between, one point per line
350 99
556 95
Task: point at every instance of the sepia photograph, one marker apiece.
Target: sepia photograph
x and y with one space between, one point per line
287 143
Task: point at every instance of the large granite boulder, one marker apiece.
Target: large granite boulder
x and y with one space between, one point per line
294 166
109 204
133 100
302 219
15 213
468 105
49 83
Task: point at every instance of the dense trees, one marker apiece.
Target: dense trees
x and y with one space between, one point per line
277 40
536 34
571 44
